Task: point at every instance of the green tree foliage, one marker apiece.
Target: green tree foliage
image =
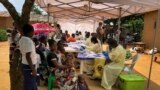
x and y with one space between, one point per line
36 9
3 35
16 77
133 23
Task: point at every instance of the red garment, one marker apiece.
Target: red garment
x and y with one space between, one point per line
71 39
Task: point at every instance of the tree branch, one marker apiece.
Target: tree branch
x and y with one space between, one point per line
27 7
11 9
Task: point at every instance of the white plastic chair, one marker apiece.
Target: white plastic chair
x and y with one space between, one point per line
129 67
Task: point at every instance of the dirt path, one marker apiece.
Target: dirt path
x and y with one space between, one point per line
4 66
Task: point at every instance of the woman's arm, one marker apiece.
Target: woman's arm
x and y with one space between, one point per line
58 65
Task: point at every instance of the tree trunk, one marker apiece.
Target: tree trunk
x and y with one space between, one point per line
16 77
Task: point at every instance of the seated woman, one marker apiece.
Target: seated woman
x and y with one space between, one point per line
52 56
61 51
66 78
53 61
88 39
63 39
80 36
115 64
67 34
60 47
96 46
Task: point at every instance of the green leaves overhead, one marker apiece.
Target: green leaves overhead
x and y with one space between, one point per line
36 9
133 23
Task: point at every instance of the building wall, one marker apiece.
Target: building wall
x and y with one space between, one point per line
6 22
148 33
9 22
2 22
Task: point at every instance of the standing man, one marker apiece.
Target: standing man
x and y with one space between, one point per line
29 60
100 32
118 32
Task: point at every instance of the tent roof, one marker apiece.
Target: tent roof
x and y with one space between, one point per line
96 9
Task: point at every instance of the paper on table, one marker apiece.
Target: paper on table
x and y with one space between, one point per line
92 55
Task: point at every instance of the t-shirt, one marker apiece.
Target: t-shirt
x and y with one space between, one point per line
51 57
26 45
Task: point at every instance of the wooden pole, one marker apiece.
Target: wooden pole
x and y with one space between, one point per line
48 13
156 27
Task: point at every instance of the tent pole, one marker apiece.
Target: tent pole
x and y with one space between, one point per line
156 27
119 18
48 13
94 27
119 24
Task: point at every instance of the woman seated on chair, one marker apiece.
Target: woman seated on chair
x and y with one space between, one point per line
88 39
52 56
53 59
115 64
96 46
66 78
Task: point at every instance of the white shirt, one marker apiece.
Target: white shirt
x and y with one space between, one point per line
38 61
59 59
26 45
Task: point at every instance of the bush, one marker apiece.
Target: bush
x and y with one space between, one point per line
3 35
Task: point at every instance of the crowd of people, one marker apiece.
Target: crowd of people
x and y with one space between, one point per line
44 58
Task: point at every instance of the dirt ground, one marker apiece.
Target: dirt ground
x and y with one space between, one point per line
142 67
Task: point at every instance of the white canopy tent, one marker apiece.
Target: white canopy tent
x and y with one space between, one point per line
82 26
80 9
73 11
92 11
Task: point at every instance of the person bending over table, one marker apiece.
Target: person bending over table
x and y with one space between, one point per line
115 64
96 48
88 39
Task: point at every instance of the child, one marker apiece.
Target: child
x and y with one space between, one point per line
66 78
82 85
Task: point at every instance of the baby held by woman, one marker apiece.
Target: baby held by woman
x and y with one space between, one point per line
67 78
